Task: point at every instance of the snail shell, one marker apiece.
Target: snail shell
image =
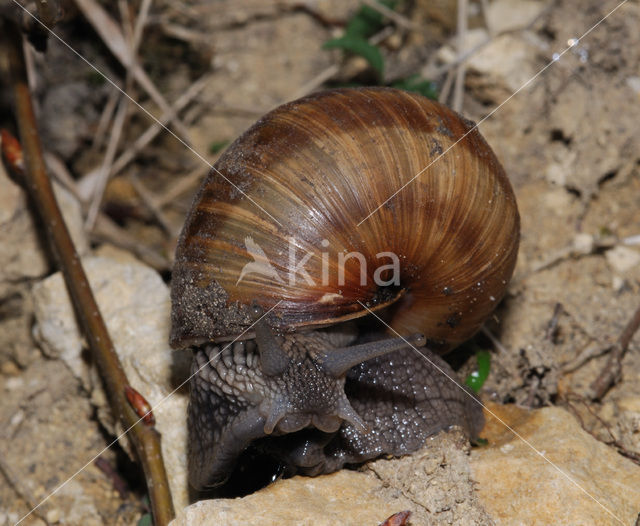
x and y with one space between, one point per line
303 179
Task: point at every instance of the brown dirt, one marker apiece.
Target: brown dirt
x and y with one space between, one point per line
569 142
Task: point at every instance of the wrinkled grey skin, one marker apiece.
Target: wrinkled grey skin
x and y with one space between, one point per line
317 421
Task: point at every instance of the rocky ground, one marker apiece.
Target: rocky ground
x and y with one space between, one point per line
569 141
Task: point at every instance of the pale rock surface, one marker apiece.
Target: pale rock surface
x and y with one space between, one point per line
22 256
621 259
497 66
434 484
509 15
504 483
517 486
504 66
345 497
135 304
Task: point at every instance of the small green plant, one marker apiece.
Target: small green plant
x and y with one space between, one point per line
417 84
95 78
477 378
365 23
217 146
145 520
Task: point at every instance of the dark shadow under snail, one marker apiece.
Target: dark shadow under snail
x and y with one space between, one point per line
302 383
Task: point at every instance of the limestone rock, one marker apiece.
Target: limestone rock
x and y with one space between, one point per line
505 482
509 15
501 67
579 481
339 498
434 484
134 302
621 259
22 256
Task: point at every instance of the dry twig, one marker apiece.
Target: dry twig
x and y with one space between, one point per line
593 350
458 89
612 370
21 489
496 343
107 162
182 185
35 182
134 35
149 201
113 38
89 180
107 231
392 15
613 441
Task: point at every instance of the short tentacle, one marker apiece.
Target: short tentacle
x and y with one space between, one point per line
273 360
349 414
276 411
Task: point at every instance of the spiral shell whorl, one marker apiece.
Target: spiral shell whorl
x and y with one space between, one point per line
320 165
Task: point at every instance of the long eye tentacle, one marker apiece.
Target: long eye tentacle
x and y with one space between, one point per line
337 362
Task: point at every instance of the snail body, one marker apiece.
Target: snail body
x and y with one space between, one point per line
275 258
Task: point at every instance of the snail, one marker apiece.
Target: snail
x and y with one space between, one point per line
281 264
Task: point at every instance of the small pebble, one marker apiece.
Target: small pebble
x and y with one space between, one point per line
622 259
13 383
617 283
583 243
53 515
9 368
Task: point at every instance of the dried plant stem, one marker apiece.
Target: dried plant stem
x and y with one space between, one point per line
21 489
145 438
458 89
613 368
402 21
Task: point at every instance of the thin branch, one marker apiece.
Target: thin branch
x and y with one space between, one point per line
107 231
61 174
484 10
446 87
496 343
149 201
181 186
88 181
113 38
435 72
592 350
133 36
141 22
36 183
612 370
21 489
393 15
105 119
458 89
107 162
613 441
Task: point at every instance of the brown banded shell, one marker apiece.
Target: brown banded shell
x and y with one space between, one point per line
302 179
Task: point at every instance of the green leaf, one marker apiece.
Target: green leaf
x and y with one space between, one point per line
477 378
217 146
145 520
358 46
417 84
367 21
